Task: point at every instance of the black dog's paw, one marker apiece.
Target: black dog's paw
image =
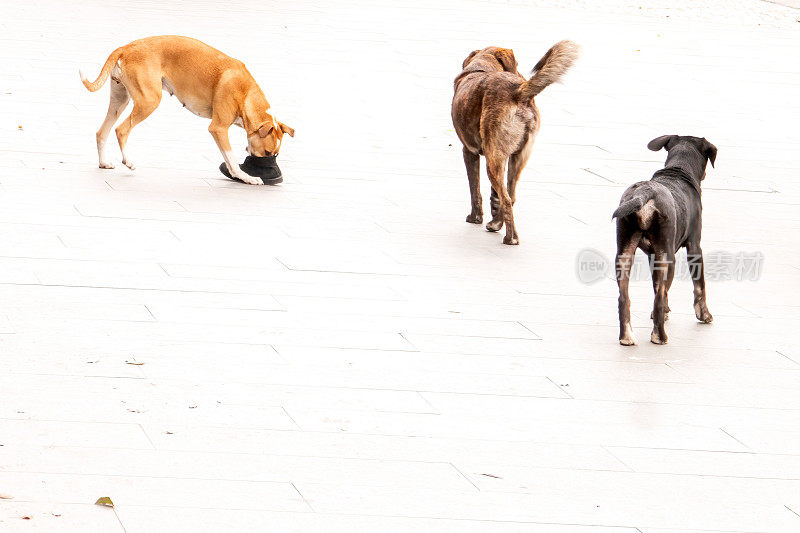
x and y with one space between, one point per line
702 313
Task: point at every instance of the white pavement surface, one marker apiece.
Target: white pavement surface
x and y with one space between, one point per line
343 352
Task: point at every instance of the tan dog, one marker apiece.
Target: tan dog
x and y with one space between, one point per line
494 115
207 82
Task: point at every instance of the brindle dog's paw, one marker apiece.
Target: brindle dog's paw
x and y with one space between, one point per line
627 338
494 225
666 315
510 240
655 338
475 219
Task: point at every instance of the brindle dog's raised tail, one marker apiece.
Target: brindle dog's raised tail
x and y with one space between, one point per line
549 69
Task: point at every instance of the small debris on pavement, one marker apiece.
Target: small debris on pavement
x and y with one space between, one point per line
105 500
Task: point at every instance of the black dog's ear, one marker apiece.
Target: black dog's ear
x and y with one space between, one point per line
469 58
660 142
506 58
710 151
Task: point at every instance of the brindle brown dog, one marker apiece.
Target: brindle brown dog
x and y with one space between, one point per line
659 217
494 115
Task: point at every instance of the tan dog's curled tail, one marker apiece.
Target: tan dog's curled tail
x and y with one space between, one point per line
101 79
549 69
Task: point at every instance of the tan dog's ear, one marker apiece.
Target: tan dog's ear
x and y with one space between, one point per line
286 129
265 129
469 58
506 58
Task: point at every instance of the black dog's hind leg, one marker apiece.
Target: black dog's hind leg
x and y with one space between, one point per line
694 254
663 272
626 250
651 260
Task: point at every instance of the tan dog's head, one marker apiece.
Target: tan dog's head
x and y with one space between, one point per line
267 138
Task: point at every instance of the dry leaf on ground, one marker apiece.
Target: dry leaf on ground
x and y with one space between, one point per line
105 500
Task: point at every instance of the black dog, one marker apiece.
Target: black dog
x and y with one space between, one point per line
659 217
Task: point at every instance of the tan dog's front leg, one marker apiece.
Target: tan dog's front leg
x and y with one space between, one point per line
220 134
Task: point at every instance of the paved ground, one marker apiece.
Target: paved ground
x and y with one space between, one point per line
343 352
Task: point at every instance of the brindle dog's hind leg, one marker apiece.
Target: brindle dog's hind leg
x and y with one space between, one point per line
473 164
516 163
496 168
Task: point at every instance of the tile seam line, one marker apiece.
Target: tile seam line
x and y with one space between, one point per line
389 436
629 471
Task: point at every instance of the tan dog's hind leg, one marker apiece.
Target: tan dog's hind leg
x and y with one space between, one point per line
141 110
116 105
146 93
220 134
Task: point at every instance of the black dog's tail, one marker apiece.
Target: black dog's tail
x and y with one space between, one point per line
635 204
631 206
549 69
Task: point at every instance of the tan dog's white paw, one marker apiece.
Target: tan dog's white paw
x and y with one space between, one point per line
251 180
106 165
129 164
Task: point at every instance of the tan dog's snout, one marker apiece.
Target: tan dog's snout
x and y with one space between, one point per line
267 139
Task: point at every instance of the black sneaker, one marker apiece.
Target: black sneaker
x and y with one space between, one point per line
265 168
